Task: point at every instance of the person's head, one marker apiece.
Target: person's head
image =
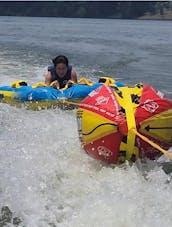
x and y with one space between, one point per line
61 65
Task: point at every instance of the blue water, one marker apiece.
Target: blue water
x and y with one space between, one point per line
45 177
128 49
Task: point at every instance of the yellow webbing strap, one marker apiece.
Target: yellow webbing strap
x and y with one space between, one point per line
18 83
39 84
167 153
128 106
83 80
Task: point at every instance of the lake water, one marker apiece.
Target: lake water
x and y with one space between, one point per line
45 177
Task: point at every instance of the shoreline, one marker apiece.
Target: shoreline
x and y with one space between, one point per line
166 16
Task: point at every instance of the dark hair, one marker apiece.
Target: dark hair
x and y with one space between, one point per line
60 59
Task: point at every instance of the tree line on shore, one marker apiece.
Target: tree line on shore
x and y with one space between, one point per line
84 9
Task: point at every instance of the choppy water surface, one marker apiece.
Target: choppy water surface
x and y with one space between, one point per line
45 178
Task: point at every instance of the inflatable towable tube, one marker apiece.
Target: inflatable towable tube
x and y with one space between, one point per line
108 119
41 96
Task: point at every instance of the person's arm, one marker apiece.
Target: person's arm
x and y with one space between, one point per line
48 81
48 78
74 76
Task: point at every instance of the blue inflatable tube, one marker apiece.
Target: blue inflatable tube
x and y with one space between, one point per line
42 93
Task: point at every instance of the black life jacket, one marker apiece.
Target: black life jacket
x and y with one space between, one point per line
62 81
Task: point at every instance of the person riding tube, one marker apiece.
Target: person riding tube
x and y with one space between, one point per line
60 74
